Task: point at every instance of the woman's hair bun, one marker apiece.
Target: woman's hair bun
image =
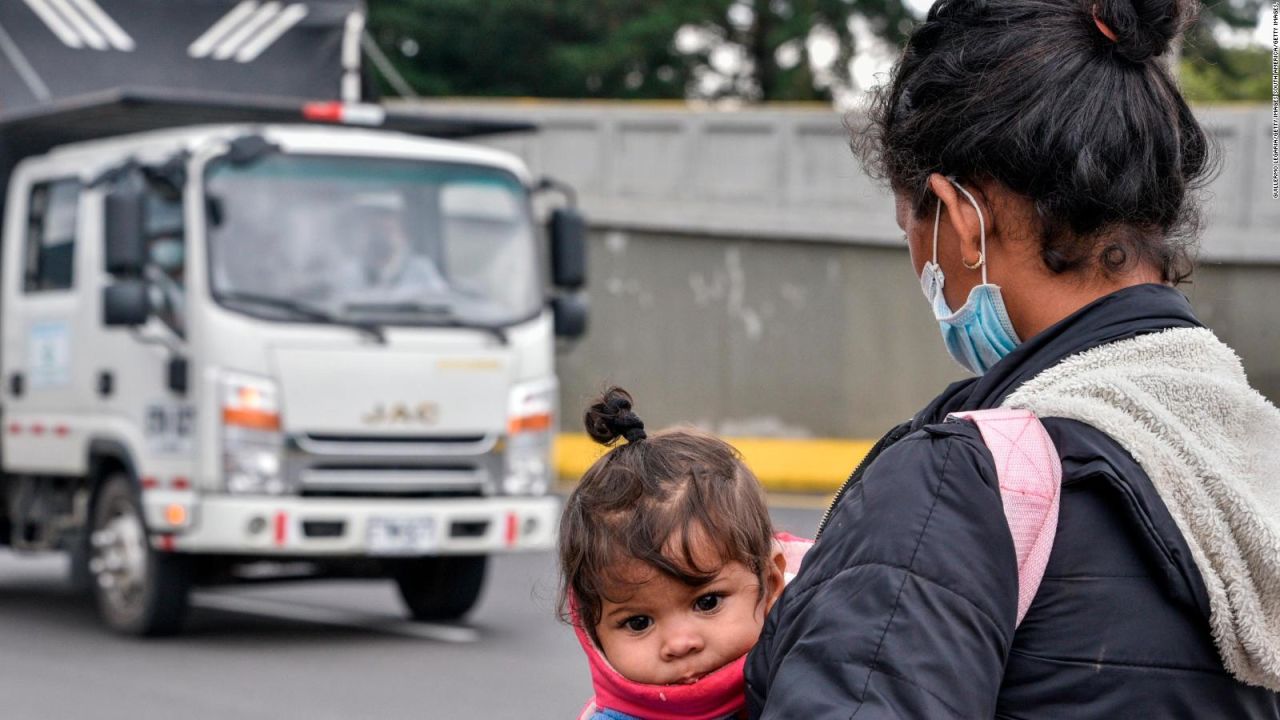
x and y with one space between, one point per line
610 417
1143 28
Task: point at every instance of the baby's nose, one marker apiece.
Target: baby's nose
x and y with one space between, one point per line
680 642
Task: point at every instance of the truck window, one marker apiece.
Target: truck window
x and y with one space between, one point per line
391 241
51 235
166 259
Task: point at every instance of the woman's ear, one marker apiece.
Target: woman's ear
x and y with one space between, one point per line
963 218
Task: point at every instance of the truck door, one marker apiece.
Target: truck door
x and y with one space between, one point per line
46 377
140 408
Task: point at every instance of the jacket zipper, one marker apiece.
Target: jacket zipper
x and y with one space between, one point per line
889 438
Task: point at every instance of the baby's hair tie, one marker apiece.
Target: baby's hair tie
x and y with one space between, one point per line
632 428
1103 27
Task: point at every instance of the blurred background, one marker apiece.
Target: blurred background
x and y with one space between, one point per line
742 274
745 274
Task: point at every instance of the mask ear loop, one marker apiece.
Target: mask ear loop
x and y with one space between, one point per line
982 233
937 215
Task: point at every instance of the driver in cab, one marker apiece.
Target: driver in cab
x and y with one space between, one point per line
388 265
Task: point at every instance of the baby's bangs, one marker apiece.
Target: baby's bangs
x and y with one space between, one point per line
661 540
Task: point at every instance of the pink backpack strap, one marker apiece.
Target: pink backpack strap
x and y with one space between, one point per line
1030 476
793 549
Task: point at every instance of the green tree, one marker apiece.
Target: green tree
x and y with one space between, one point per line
1212 72
1236 75
756 50
752 49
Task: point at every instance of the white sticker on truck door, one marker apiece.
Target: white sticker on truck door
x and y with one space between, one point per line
49 355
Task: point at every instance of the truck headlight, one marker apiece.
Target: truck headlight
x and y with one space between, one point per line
531 428
252 440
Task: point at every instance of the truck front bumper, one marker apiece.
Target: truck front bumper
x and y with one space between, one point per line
294 526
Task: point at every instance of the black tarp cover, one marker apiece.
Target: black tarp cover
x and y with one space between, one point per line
56 49
74 70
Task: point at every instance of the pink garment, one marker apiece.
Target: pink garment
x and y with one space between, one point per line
793 550
720 694
1030 476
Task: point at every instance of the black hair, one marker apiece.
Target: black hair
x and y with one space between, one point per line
1033 95
651 500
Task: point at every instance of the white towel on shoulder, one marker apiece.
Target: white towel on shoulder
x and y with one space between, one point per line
1180 403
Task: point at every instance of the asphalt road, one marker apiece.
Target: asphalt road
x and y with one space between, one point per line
332 649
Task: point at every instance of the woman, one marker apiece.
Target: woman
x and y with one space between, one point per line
1043 164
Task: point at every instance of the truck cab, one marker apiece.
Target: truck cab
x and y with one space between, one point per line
318 345
255 323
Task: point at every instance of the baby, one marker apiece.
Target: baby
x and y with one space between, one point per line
668 564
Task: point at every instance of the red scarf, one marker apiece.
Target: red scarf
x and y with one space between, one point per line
720 694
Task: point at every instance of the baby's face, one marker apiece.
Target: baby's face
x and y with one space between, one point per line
663 632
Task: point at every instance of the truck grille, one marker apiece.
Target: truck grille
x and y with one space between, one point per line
326 465
396 439
329 445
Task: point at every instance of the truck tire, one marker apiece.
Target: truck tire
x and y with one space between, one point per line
441 588
138 590
78 576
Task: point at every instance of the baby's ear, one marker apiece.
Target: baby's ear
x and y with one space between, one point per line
775 575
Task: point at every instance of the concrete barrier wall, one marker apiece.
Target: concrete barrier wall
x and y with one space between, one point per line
748 277
757 337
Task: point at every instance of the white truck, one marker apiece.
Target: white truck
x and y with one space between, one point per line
242 336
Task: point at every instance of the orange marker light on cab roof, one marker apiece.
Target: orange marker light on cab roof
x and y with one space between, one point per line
323 111
349 113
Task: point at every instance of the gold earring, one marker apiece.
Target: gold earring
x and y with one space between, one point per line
976 263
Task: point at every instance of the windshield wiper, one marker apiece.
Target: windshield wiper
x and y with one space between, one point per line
401 306
441 315
309 312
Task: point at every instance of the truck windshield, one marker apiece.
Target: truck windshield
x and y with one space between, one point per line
372 240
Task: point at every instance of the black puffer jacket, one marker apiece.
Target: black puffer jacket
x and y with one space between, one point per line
905 607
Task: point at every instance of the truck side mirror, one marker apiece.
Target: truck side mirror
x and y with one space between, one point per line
570 313
568 232
126 246
125 303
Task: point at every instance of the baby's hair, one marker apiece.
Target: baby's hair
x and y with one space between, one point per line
650 500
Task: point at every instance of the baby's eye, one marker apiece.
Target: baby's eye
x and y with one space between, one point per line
707 603
637 623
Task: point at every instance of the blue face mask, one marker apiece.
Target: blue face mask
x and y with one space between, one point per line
978 334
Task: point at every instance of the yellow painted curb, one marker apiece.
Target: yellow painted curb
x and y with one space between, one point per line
783 465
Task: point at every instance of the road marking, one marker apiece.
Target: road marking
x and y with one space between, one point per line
85 29
204 44
56 24
80 23
319 615
240 35
272 32
115 34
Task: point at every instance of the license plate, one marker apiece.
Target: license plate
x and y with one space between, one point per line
401 536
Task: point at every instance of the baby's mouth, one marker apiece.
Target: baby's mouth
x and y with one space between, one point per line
691 678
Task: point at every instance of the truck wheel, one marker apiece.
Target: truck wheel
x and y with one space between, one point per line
441 588
79 577
139 591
